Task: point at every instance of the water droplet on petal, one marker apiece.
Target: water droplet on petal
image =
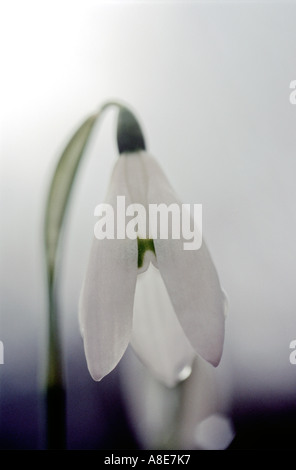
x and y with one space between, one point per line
184 373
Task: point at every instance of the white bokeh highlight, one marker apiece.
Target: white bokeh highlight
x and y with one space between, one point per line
214 433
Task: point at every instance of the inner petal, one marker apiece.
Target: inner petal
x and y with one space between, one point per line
157 336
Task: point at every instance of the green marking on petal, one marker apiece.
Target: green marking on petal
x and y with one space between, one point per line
144 244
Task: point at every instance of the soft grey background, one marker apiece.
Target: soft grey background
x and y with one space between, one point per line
210 85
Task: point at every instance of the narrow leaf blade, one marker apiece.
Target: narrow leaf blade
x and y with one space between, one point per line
60 189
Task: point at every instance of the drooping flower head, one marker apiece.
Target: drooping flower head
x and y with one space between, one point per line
165 300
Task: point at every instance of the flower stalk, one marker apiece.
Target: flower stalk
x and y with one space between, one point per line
56 207
55 390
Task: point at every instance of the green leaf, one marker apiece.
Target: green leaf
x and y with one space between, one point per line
60 189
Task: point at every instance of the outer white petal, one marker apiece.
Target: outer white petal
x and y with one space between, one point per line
106 303
157 337
190 278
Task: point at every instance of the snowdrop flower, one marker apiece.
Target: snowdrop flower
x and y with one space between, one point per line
163 299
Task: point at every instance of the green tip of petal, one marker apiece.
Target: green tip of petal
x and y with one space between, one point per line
143 246
129 135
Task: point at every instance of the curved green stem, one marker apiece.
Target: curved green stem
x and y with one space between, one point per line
56 206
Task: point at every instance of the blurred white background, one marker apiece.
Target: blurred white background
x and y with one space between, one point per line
210 85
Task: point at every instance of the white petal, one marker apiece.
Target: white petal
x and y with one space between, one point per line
190 278
130 178
194 288
106 303
157 337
